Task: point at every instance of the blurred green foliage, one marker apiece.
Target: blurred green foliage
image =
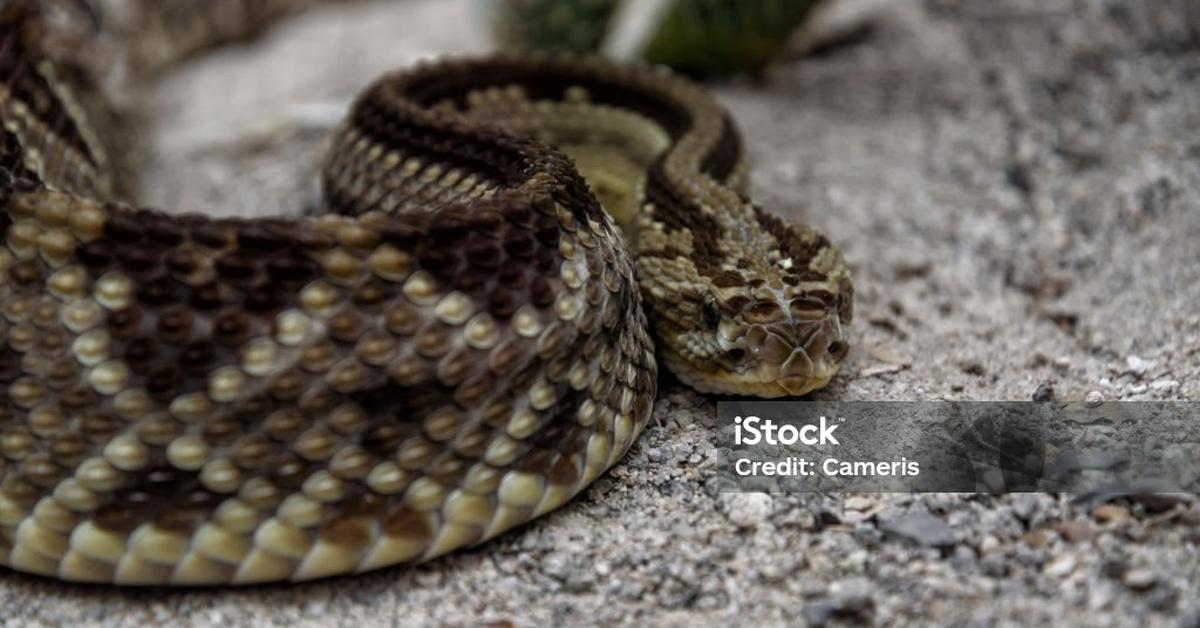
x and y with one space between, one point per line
703 38
706 38
559 25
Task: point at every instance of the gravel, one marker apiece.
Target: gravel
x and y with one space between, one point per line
1015 183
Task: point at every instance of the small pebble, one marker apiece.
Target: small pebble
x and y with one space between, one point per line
1044 393
853 594
1076 531
748 510
1059 567
1093 398
1111 513
921 528
1024 505
964 557
1037 539
858 502
1139 579
1137 365
994 566
1114 568
1161 502
819 612
1163 599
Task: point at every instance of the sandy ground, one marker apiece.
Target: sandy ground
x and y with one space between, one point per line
1015 183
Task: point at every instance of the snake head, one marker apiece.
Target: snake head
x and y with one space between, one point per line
769 341
771 322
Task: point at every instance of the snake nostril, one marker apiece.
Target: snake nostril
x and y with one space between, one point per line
736 355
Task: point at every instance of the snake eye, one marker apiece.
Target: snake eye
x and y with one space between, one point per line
712 315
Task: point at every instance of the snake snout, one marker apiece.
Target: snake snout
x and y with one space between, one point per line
804 354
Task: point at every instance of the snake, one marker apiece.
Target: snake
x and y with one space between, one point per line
466 336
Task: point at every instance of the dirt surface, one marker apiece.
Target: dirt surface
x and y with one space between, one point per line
1016 185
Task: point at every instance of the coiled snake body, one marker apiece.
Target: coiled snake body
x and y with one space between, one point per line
457 346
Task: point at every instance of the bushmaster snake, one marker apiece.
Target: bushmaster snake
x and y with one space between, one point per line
457 346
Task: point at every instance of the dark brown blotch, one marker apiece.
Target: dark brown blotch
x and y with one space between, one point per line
95 255
207 297
483 254
140 261
159 292
39 470
231 328
371 294
211 235
196 357
406 523
735 304
69 449
264 298
26 272
98 426
123 227
77 398
564 472
175 326
291 269
234 266
181 262
345 326
141 351
728 279
222 431
164 231
442 262
763 312
501 303
263 238
124 323
289 472
252 451
382 439
511 277
520 244
117 517
162 382
541 293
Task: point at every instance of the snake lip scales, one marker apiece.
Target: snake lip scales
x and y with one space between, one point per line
461 343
